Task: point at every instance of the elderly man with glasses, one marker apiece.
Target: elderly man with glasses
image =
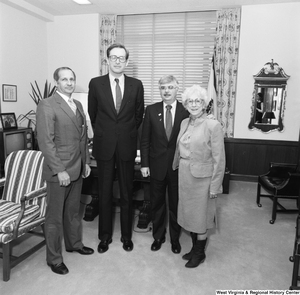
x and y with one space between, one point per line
160 129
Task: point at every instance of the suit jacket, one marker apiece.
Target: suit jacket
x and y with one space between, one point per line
156 151
62 140
114 130
207 153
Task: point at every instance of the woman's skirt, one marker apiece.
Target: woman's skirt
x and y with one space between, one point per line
196 211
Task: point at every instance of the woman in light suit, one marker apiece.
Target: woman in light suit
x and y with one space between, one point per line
200 157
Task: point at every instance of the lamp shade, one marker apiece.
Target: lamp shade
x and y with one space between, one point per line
269 115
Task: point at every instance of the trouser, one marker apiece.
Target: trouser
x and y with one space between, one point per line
63 219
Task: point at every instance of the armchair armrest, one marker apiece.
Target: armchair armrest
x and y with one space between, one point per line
2 181
39 193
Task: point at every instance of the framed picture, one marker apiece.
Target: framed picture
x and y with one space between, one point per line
8 121
9 92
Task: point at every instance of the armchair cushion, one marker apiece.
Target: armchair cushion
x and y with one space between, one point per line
9 212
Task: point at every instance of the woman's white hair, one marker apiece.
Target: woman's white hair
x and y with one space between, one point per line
200 91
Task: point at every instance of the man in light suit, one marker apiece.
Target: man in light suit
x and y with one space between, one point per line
62 138
116 107
157 153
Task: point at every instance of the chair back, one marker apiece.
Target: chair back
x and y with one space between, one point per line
282 170
23 173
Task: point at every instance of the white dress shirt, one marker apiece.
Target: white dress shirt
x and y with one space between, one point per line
113 85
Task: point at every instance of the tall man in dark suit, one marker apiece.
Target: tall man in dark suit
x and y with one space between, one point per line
62 138
116 107
160 129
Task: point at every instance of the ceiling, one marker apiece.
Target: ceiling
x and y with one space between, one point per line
47 9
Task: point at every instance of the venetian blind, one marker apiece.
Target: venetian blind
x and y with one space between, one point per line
180 44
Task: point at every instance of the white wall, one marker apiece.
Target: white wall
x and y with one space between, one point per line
269 32
32 49
73 41
23 56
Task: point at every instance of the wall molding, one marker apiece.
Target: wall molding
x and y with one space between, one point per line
248 158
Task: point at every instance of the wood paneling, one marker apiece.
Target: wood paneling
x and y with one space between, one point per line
248 158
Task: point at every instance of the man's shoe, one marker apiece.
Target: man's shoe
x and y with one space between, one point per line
127 244
103 245
156 245
83 251
60 269
176 248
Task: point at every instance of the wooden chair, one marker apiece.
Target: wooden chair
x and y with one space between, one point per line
296 258
282 181
23 204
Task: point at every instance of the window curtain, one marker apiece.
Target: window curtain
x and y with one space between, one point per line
225 64
107 37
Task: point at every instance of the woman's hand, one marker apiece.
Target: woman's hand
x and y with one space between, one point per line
213 196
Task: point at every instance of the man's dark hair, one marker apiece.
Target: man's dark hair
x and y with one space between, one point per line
117 45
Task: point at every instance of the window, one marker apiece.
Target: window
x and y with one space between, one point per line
180 44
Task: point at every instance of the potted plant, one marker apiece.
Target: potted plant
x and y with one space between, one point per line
37 95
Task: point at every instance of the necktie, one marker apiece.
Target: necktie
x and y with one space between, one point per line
168 121
72 105
118 95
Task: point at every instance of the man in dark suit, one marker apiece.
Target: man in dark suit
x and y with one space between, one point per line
116 107
158 144
62 138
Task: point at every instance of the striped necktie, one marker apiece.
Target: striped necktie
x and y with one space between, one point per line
118 95
168 121
72 105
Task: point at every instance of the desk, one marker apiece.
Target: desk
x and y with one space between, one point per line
90 187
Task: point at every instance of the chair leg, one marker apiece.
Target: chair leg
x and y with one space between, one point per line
274 209
258 195
295 276
6 261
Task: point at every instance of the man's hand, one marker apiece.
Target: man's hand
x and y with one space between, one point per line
63 178
145 171
86 171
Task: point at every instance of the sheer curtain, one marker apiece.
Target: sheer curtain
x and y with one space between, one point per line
107 37
225 64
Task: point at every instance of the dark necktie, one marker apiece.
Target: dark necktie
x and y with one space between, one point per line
118 95
168 121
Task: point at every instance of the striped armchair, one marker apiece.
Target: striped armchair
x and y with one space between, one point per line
23 204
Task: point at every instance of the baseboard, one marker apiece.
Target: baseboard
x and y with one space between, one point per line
240 177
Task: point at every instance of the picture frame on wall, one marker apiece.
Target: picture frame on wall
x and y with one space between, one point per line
9 92
8 121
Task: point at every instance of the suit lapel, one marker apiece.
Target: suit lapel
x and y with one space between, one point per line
178 116
127 92
65 107
160 114
80 110
108 93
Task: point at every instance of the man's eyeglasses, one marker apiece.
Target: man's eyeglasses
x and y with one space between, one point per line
196 102
120 58
170 87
